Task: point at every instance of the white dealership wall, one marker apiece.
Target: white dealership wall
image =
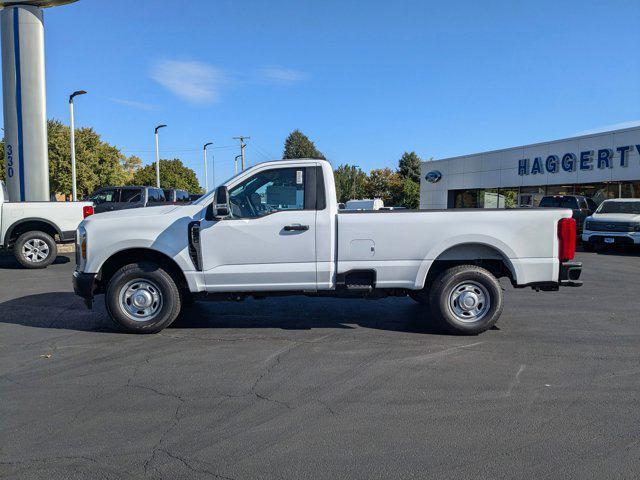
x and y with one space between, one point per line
499 168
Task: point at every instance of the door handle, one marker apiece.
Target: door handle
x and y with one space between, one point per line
296 227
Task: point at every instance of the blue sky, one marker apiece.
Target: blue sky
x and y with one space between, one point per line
365 80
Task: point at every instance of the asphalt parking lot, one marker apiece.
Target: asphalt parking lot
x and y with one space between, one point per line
300 388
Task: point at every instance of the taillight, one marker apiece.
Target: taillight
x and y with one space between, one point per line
567 239
87 211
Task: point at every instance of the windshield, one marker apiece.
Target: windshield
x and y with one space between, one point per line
558 202
206 198
632 208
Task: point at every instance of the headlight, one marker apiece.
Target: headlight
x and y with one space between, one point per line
81 245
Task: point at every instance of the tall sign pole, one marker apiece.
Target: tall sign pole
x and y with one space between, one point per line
24 98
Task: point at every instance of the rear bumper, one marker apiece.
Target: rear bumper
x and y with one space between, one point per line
570 274
68 237
84 285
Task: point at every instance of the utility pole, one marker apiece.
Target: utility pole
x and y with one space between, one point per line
235 163
206 174
242 145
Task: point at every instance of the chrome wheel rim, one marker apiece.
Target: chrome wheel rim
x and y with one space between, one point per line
35 250
140 299
469 301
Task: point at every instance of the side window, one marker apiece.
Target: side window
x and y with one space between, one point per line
130 195
105 196
156 195
268 192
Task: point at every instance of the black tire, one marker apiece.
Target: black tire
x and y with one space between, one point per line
35 249
587 246
420 296
155 285
479 286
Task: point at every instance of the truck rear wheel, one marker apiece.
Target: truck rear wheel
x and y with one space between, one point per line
35 249
142 298
466 299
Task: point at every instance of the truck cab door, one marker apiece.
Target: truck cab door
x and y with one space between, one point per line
268 242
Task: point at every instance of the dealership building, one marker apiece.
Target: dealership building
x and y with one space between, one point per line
600 166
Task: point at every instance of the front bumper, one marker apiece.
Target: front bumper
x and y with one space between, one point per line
84 285
617 238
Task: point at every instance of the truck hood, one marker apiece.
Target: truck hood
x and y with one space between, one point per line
137 212
615 217
143 213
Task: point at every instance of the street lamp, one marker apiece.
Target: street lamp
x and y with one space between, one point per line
235 163
158 157
206 175
74 193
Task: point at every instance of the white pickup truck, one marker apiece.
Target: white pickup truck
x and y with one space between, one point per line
275 229
31 229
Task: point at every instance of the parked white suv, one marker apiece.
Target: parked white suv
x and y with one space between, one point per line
31 229
275 229
615 222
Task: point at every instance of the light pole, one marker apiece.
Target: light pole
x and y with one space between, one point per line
206 174
235 164
74 192
158 157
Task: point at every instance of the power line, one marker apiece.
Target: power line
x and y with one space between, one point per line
224 147
255 148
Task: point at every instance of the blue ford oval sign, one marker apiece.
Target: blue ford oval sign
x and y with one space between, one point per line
433 176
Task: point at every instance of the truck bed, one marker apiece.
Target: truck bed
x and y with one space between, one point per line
401 244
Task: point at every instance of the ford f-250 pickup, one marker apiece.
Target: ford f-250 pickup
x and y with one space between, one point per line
275 229
31 229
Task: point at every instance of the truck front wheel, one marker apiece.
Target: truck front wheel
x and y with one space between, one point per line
466 299
142 298
35 249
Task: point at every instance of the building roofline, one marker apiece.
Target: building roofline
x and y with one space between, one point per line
531 145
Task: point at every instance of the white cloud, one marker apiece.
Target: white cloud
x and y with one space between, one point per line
283 76
614 126
193 81
134 104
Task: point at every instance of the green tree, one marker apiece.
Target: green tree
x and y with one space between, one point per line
131 165
97 163
298 145
409 166
407 195
350 183
173 174
382 183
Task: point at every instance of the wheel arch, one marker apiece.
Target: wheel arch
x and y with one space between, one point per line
136 255
488 254
28 225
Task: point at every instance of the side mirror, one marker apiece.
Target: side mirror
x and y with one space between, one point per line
221 209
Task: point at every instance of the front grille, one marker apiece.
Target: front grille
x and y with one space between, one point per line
611 226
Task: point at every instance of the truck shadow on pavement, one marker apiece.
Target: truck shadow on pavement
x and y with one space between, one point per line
8 261
63 310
